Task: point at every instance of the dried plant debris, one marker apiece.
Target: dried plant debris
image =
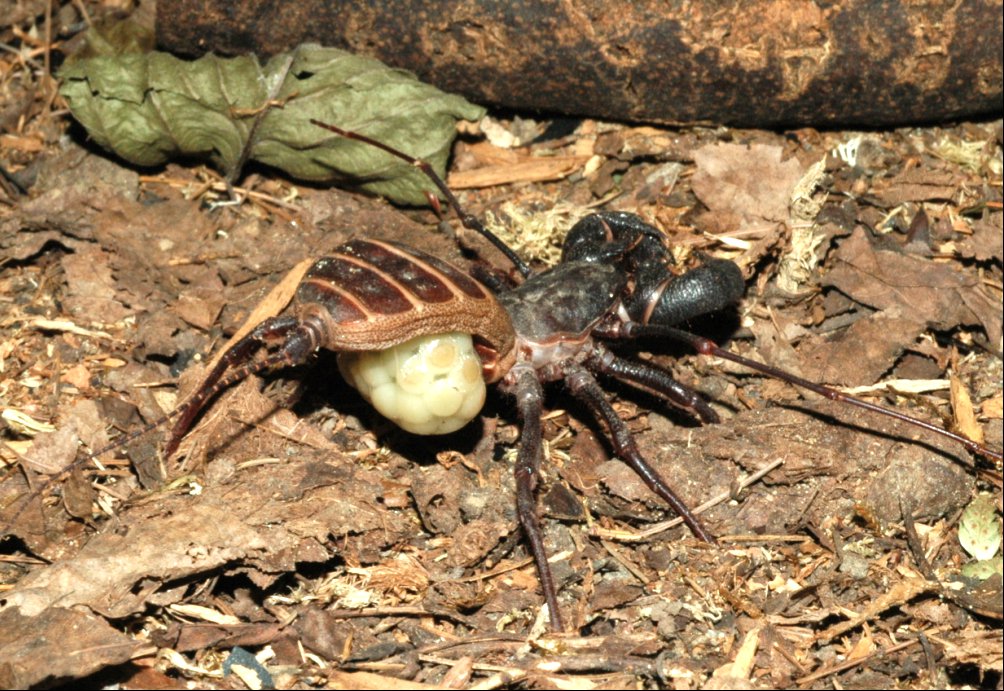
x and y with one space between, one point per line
88 644
318 546
152 107
980 536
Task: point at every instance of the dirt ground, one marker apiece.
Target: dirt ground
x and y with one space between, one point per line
298 539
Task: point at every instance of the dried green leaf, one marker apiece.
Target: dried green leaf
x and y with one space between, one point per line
148 108
979 528
116 37
983 569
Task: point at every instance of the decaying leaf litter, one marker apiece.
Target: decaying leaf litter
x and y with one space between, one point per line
343 551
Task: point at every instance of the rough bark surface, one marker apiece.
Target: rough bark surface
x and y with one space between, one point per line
767 63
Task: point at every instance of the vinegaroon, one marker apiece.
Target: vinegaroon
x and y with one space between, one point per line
615 281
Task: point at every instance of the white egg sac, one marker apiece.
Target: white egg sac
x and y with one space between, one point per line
428 385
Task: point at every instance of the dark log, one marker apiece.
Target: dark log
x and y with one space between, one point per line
764 64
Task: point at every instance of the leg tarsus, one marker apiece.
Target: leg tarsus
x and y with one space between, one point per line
529 403
584 387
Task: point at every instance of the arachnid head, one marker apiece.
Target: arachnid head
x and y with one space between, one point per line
661 295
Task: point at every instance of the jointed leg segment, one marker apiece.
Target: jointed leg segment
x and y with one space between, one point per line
653 377
300 340
529 404
584 386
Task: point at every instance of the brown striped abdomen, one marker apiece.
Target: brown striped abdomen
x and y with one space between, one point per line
372 295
